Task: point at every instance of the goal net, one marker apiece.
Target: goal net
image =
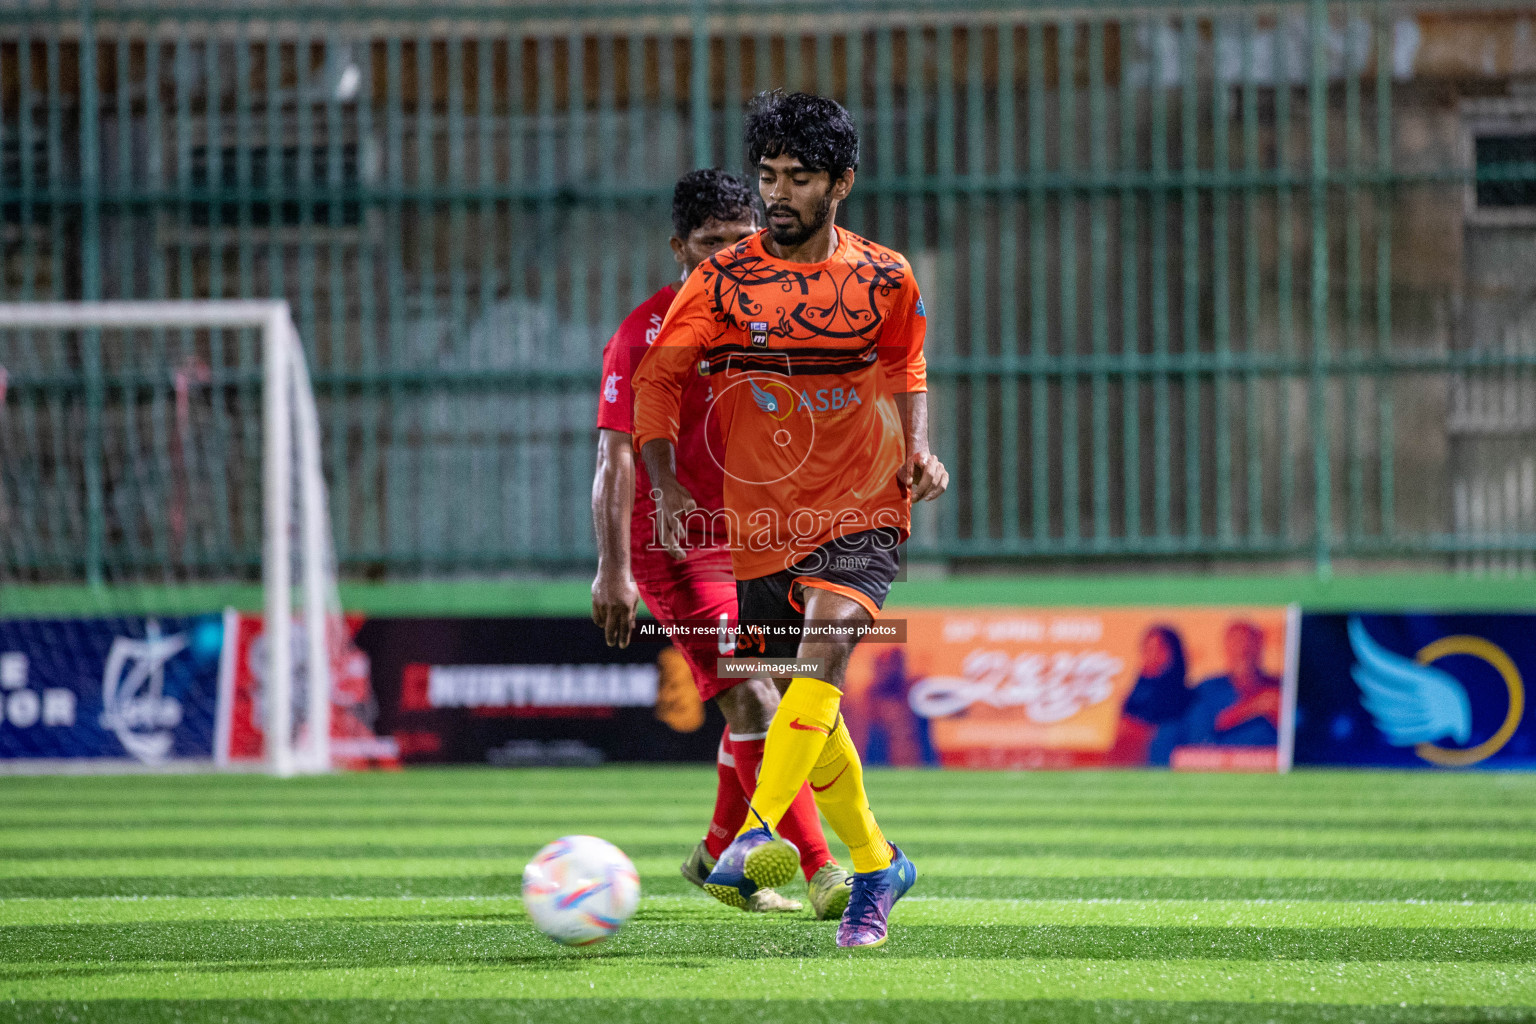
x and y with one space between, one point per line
169 448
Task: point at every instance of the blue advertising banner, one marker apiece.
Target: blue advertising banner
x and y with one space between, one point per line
138 690
1416 691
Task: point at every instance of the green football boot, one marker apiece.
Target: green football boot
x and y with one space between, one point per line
829 890
698 865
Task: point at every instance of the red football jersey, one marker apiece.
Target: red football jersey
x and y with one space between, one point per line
698 466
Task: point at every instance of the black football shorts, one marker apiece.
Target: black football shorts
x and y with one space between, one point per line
860 565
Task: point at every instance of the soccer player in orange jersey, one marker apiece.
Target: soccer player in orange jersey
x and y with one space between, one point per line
812 339
710 210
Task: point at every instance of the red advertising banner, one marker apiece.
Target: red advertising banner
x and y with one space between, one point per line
1196 689
240 739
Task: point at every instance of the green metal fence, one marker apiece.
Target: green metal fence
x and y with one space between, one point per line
1172 310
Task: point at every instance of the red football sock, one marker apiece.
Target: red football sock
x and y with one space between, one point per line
801 824
730 799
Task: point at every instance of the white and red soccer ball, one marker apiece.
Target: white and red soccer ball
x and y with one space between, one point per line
580 889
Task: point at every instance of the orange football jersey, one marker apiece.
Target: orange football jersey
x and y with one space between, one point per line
803 362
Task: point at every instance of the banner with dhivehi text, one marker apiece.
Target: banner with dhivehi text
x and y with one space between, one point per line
1188 688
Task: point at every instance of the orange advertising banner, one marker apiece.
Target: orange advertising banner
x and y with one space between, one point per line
1200 689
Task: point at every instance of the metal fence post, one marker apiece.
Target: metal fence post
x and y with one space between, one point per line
90 286
698 86
1322 481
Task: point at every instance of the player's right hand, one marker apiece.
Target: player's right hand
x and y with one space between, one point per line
613 607
672 502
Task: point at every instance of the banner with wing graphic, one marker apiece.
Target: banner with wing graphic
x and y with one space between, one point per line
1416 691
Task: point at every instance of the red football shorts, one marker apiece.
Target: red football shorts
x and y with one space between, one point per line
698 593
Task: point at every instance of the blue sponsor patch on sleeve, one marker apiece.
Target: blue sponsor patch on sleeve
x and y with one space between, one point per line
920 311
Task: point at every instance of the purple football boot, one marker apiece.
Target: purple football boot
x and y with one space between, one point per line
869 905
756 860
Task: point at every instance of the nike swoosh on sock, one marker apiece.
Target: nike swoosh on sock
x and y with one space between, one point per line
823 789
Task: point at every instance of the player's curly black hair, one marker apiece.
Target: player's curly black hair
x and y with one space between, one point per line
710 194
815 130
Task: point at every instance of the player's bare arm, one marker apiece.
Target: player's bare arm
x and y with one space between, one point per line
614 595
923 476
672 499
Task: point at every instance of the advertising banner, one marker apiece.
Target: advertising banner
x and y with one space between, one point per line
354 744
140 691
1202 689
531 691
1416 691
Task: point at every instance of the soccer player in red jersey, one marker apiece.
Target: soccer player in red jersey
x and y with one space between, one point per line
811 339
710 210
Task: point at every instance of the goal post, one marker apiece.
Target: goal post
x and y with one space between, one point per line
292 491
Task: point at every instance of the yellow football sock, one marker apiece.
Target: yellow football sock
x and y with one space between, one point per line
838 783
796 735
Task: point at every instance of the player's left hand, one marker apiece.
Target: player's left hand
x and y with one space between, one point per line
613 607
923 477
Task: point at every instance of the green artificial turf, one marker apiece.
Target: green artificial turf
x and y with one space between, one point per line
1125 897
